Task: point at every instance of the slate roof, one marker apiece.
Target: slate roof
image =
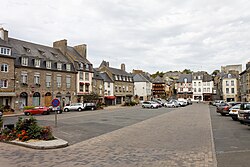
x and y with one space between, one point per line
4 43
139 78
105 77
228 76
115 71
207 78
76 56
158 79
97 75
183 76
36 50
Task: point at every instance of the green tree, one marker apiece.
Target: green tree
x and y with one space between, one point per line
215 72
187 71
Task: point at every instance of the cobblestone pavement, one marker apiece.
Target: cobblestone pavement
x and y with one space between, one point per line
179 138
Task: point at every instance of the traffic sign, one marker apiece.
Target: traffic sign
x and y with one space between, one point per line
55 102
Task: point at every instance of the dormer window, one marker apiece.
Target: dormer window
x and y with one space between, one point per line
5 51
48 64
59 66
25 61
81 66
87 67
37 63
27 49
68 67
41 52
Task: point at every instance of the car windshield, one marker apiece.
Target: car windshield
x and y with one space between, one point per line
236 106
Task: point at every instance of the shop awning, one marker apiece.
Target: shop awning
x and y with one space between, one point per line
110 97
7 94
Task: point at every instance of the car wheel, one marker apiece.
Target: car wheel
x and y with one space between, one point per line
59 111
152 107
143 106
79 109
27 113
92 108
235 119
222 114
66 110
241 122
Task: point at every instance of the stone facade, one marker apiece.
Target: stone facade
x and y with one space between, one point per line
123 82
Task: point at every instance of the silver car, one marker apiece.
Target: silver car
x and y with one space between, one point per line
150 104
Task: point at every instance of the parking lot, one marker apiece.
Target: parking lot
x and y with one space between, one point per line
232 140
77 126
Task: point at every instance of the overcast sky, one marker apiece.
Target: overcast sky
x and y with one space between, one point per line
152 35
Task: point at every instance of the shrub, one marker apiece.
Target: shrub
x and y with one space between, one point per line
27 129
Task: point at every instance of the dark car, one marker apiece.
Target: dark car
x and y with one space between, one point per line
89 106
223 109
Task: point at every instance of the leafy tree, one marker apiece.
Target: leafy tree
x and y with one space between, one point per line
157 74
215 72
187 71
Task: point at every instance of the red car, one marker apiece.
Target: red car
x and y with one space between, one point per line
38 110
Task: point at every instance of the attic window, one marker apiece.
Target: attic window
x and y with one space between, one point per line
54 54
41 52
27 49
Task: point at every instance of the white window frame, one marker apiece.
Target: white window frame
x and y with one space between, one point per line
48 64
25 61
59 66
86 76
24 77
37 78
59 81
4 83
48 80
68 67
4 68
5 51
37 63
68 81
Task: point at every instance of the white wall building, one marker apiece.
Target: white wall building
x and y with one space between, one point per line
229 87
142 87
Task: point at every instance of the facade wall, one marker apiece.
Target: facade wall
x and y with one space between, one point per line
229 89
63 93
7 94
143 90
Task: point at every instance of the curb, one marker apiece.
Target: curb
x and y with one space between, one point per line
13 115
212 139
41 145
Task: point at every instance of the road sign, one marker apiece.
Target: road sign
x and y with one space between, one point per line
55 102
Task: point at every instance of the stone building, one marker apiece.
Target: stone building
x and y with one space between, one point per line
184 86
78 56
123 82
158 87
7 71
244 84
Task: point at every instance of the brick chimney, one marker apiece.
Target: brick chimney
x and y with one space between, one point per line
82 50
61 45
4 34
123 67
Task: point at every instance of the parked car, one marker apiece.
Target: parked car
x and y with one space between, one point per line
38 110
218 102
89 106
244 113
223 109
233 112
150 104
1 114
182 103
74 107
171 104
57 109
159 102
189 102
